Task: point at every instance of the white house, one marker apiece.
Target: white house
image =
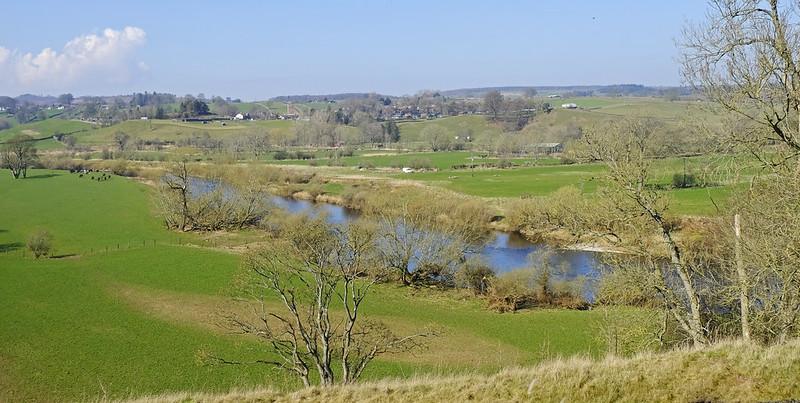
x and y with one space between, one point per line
569 106
238 116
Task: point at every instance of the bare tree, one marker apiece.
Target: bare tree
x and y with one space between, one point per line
423 241
18 153
625 147
494 104
176 182
745 59
121 139
437 136
322 277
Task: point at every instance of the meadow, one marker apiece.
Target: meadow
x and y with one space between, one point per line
125 306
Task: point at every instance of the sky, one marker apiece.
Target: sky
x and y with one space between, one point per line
260 49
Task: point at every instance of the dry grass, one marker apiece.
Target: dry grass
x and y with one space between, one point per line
725 372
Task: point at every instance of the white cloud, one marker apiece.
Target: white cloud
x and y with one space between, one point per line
104 58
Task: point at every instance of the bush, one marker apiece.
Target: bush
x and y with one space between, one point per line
40 243
504 163
475 276
420 163
281 155
366 165
682 181
535 287
4 124
304 155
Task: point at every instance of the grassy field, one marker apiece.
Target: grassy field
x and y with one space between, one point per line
126 305
535 177
396 159
47 128
725 372
170 130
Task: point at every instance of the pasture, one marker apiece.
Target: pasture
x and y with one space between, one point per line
126 306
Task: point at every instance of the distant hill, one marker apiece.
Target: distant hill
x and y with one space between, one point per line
572 90
36 99
327 97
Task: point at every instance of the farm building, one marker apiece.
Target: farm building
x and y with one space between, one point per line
547 148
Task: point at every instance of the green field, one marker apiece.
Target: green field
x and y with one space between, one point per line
127 305
171 130
396 159
47 128
545 179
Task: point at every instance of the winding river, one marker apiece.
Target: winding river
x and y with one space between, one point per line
505 251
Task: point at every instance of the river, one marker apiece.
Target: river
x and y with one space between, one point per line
505 251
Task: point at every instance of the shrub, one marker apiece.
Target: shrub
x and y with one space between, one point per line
475 276
420 163
525 288
366 165
304 155
40 243
4 124
107 154
680 180
504 163
281 155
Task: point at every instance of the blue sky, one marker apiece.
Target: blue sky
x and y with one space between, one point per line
255 50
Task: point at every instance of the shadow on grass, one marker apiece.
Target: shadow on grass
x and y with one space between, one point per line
42 176
10 247
64 256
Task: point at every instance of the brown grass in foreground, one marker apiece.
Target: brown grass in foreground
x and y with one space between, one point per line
724 372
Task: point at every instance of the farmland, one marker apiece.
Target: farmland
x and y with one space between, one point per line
125 306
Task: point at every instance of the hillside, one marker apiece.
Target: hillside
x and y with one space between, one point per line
727 372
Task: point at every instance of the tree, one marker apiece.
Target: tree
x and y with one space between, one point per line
625 147
391 132
423 241
121 139
437 136
767 262
315 269
18 153
70 141
176 181
193 107
745 59
40 243
494 104
65 99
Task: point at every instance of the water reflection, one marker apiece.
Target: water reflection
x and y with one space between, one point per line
504 252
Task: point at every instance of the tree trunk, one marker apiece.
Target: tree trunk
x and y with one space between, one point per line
695 319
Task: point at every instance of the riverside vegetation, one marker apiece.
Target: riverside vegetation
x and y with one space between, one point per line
205 289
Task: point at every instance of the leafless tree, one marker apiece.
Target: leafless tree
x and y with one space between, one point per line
744 57
624 147
494 103
18 153
322 276
121 139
